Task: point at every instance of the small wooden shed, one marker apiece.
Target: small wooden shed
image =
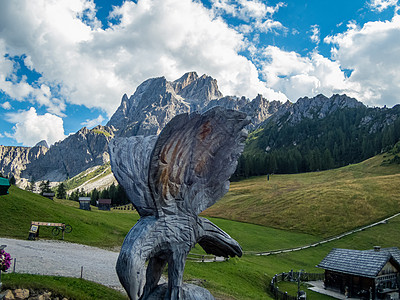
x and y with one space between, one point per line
49 195
4 186
104 204
84 203
369 274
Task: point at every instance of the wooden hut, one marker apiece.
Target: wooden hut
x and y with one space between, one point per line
104 204
84 203
49 195
364 274
4 186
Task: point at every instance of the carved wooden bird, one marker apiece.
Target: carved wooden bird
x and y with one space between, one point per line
170 179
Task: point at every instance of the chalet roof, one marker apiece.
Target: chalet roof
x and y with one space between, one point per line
84 199
49 194
104 201
366 263
4 185
4 181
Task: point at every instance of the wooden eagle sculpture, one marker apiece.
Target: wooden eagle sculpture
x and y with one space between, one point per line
170 179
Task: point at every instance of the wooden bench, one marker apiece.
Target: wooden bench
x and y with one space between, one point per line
34 230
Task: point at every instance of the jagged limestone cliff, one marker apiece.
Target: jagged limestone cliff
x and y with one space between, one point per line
155 102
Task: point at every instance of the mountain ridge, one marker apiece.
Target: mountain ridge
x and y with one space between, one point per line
153 104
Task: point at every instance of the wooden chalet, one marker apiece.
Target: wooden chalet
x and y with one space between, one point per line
363 274
4 186
104 204
49 195
84 203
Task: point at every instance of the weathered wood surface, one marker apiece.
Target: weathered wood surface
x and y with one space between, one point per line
170 179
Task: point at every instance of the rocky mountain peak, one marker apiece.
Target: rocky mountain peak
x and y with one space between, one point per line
317 107
200 92
184 81
153 104
156 101
42 143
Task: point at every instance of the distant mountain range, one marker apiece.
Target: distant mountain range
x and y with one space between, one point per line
155 102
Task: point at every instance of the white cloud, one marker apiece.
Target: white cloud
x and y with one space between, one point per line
381 5
298 76
315 36
245 9
371 52
269 26
256 14
20 89
94 122
6 105
31 128
90 66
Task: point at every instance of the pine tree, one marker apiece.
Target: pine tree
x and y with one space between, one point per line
94 196
44 187
61 192
12 180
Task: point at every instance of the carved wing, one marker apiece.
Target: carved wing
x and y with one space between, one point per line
193 159
130 164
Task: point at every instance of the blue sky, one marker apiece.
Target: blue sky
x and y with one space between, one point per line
66 64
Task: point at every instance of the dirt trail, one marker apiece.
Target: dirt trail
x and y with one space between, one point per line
47 257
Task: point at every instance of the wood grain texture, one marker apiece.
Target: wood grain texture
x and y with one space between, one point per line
170 179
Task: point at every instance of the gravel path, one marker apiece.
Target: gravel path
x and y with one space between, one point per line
47 257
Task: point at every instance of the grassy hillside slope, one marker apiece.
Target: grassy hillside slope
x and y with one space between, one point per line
97 228
239 278
304 206
249 276
319 203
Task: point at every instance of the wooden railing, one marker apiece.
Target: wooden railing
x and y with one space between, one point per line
291 276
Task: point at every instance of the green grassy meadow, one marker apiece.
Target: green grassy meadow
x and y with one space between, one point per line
97 228
72 288
318 203
287 211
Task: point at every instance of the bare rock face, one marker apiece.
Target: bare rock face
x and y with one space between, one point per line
13 160
156 101
78 152
317 107
149 109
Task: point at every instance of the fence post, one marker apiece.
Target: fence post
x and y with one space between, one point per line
15 262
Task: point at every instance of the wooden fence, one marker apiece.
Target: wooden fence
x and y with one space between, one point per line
205 257
291 276
123 207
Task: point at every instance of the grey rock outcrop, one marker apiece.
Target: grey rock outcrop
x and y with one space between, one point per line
311 108
78 152
156 101
13 160
149 109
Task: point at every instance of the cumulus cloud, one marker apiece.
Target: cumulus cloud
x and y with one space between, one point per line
381 5
19 89
371 53
297 76
94 122
6 105
30 128
364 65
315 34
245 9
256 14
83 64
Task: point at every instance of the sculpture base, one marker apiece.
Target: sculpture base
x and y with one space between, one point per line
190 292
